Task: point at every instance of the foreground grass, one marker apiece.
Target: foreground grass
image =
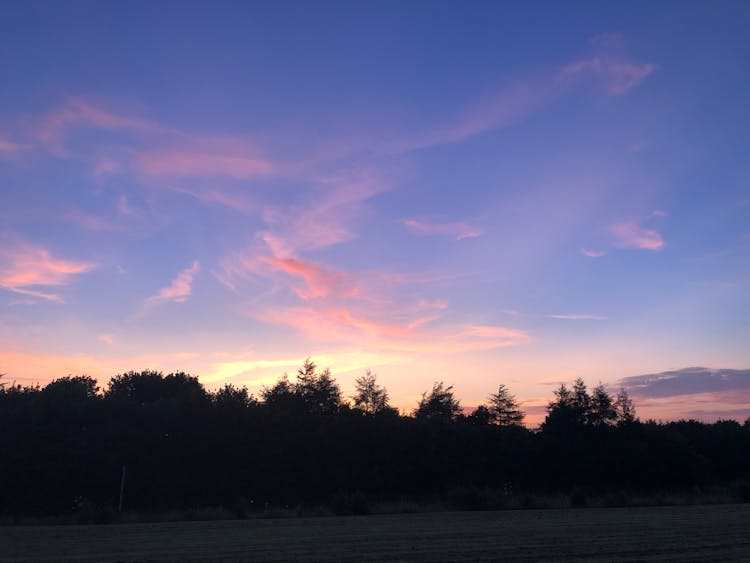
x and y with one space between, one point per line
715 533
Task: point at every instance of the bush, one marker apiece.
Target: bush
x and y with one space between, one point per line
344 503
578 499
467 498
88 512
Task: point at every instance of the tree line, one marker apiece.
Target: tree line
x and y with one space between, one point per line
301 442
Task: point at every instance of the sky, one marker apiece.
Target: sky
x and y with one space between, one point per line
479 193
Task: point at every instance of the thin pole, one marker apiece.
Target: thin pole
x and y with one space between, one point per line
122 488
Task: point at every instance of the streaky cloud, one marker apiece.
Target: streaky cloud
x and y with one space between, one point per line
320 281
179 290
618 75
28 269
9 147
456 229
592 253
631 233
193 163
575 317
687 381
343 325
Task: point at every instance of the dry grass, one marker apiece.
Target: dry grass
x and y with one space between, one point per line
716 532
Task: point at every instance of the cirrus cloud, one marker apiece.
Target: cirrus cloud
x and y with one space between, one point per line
28 269
179 290
619 75
631 233
456 229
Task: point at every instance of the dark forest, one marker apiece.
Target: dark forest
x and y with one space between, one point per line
302 444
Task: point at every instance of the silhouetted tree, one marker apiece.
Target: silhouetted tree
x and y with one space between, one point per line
231 397
438 404
504 408
66 441
312 393
319 392
481 416
576 408
369 397
561 412
280 395
78 389
581 401
624 408
602 407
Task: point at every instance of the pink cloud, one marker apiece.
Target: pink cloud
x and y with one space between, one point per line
170 152
425 304
577 317
457 230
80 113
618 75
180 288
320 281
343 325
27 268
231 199
185 162
107 338
630 233
11 147
494 111
592 253
527 94
325 220
106 166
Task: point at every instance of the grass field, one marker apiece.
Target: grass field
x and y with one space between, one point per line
706 533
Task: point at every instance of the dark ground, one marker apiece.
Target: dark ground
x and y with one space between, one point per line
690 533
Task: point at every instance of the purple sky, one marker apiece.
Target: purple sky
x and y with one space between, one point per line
479 193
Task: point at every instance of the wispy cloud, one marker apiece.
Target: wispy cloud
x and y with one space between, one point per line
592 253
327 218
323 217
179 290
7 146
577 317
29 270
618 75
343 325
497 110
687 381
456 229
155 150
522 97
106 166
107 338
320 281
77 113
631 233
194 163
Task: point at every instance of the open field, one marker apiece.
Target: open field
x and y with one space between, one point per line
711 533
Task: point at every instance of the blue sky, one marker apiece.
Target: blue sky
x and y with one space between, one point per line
480 193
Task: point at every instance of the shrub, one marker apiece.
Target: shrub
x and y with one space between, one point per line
345 503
